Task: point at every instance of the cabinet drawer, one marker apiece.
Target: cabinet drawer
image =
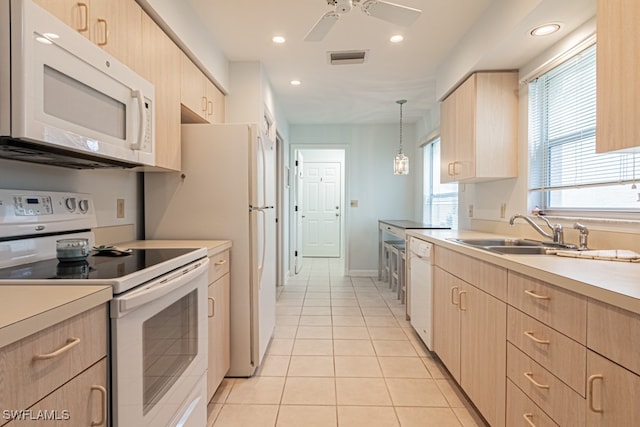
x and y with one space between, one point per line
521 411
564 357
36 365
398 232
553 396
218 266
488 277
563 310
614 333
82 401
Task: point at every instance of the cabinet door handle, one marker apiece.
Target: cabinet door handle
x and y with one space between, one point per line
210 110
71 342
85 8
103 400
529 376
590 383
529 334
460 300
220 262
204 103
536 296
449 169
455 172
105 38
212 306
527 418
453 301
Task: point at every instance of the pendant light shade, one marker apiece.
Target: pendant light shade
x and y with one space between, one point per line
400 161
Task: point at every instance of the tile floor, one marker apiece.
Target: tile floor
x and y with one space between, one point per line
342 355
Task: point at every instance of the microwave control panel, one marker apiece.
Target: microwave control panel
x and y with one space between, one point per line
147 145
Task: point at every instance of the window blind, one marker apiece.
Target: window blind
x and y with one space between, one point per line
562 121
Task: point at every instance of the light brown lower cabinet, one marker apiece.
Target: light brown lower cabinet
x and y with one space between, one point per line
219 321
611 393
521 411
80 402
470 339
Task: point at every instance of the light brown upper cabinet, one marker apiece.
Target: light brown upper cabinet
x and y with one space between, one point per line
618 66
114 25
479 129
202 101
161 58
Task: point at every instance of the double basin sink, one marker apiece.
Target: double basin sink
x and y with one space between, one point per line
514 246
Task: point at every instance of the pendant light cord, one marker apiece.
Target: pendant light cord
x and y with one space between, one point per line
401 102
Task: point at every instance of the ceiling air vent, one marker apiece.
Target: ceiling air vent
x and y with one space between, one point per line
347 57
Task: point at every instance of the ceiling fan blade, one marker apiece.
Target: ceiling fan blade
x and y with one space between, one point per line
394 13
322 27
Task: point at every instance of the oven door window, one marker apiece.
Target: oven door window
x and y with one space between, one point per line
170 343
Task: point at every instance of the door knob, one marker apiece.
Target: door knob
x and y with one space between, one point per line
337 214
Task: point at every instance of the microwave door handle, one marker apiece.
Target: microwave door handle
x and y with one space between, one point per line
141 119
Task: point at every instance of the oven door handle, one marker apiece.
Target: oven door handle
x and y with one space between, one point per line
158 288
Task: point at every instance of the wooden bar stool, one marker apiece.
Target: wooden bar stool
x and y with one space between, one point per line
387 248
402 275
396 265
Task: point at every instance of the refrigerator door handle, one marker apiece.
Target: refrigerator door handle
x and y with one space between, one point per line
264 246
264 169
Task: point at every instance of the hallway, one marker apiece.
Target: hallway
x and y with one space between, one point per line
342 355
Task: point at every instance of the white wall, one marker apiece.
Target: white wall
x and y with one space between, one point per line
105 185
369 180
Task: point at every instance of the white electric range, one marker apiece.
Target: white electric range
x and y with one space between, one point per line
158 334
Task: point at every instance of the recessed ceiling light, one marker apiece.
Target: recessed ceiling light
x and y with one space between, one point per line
296 82
545 30
396 39
278 39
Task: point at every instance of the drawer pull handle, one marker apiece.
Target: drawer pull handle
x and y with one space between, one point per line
219 263
103 400
534 295
453 301
460 300
527 418
71 342
213 306
529 334
529 376
590 382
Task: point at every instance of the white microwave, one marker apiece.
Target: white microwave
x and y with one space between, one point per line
64 101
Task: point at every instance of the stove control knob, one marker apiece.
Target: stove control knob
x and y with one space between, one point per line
84 205
70 204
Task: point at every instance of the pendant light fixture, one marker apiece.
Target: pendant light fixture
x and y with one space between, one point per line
401 162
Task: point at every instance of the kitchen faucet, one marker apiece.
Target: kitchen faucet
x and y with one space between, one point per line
558 232
584 233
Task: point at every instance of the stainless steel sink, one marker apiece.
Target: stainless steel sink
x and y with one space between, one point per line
513 246
520 250
499 242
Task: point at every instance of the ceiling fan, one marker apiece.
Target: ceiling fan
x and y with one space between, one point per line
390 12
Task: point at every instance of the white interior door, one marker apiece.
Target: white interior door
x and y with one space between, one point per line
298 203
322 210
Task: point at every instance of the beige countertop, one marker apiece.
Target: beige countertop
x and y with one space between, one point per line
616 283
213 246
30 309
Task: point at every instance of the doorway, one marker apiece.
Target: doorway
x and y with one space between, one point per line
318 198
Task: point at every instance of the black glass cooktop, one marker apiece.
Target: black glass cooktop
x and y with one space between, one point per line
95 267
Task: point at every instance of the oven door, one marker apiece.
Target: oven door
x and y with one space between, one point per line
69 94
159 350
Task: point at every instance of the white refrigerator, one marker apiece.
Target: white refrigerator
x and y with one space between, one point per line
226 190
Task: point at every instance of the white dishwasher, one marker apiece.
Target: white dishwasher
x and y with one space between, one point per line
420 267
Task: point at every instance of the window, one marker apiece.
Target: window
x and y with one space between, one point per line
440 200
565 172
